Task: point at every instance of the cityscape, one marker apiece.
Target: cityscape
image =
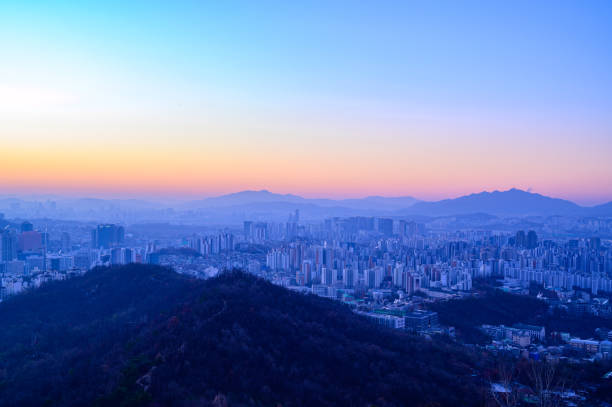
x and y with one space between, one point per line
390 270
299 204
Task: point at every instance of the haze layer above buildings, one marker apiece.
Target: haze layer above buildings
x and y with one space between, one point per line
233 209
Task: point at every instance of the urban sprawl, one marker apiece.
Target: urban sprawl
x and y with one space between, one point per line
386 269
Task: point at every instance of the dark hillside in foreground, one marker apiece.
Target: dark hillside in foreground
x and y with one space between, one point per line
141 335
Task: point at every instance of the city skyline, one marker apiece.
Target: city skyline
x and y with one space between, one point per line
395 203
194 99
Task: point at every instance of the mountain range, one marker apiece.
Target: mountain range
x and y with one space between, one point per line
511 203
267 197
268 206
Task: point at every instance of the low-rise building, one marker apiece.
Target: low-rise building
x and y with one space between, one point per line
419 321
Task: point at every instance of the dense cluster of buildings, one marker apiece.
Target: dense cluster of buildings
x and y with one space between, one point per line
386 269
28 257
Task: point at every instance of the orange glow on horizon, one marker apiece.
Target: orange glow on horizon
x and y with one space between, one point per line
316 158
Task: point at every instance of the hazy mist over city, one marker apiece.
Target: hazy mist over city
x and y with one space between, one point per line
397 203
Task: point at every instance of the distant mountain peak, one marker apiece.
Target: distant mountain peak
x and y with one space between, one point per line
512 202
266 204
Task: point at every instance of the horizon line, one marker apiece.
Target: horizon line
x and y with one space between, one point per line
161 198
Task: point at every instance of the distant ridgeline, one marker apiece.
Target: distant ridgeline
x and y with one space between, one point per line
144 335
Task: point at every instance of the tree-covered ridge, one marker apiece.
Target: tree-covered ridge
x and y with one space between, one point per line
142 335
496 307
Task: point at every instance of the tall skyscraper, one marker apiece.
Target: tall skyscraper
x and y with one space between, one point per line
385 226
107 236
30 241
328 276
532 240
26 227
248 227
348 277
9 244
520 240
66 246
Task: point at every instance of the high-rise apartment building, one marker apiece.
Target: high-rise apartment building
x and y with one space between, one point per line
107 236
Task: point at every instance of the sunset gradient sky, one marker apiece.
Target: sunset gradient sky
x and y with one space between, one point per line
337 99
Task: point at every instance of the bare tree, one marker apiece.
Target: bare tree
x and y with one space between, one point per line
542 379
503 392
546 383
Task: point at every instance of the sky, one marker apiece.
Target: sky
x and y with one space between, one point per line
322 99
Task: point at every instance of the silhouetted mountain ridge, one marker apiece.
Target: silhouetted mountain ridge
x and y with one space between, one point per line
146 336
513 202
601 210
269 206
249 197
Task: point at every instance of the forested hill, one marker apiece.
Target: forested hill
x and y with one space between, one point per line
141 335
